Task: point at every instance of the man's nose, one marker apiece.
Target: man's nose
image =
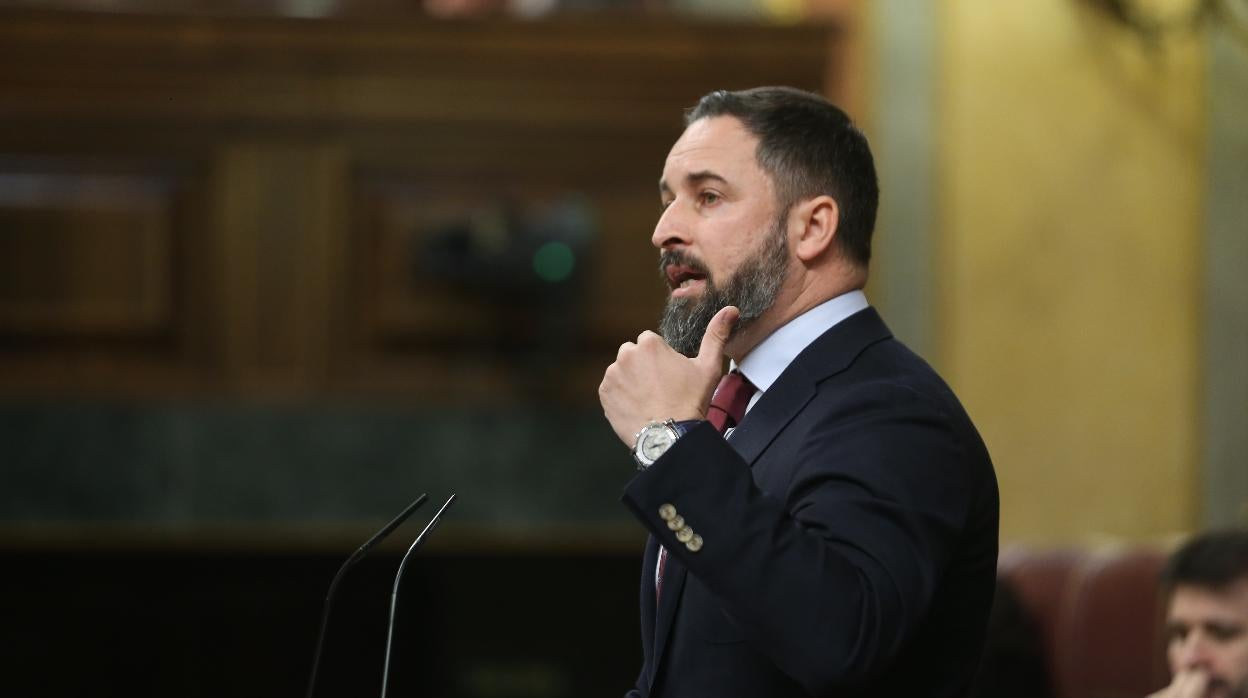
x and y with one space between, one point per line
1194 652
671 230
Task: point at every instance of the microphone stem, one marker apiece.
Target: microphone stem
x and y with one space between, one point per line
333 585
329 602
394 593
385 676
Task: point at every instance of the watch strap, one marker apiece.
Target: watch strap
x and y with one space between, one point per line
685 426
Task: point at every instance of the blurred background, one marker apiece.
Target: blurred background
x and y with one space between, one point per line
270 269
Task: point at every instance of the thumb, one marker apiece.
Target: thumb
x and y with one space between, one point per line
717 333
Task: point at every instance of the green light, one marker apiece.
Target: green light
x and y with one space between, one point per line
553 262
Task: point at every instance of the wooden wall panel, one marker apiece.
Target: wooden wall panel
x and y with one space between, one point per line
313 157
503 331
277 245
84 254
100 284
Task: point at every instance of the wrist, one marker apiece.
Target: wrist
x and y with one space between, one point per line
655 438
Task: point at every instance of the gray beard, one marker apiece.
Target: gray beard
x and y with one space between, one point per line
753 289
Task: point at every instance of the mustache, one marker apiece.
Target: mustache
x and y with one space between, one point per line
681 258
1217 683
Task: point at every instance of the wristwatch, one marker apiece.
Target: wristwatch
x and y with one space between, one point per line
656 437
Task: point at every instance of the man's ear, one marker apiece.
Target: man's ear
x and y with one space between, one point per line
816 221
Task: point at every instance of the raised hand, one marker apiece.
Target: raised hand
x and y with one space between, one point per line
1189 683
650 381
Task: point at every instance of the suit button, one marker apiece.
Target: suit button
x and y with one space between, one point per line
677 523
667 512
694 544
684 535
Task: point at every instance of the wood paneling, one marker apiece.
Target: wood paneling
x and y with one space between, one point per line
84 254
311 161
102 283
279 248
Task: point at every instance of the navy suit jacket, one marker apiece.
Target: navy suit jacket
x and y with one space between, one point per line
849 535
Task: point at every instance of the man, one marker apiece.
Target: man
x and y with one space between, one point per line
842 539
1206 585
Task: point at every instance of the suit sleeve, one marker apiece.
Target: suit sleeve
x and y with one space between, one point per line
829 577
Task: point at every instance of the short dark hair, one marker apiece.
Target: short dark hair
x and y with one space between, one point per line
809 147
1213 560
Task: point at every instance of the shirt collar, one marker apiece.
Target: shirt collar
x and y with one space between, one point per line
767 361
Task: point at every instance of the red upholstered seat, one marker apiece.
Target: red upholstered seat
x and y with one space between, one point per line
1098 615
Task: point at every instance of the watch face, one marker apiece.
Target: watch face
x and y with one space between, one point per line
655 442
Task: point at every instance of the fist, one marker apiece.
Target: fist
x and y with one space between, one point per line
651 382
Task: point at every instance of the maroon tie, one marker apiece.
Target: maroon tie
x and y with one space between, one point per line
729 401
727 408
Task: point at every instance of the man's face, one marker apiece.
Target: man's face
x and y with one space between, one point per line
1208 632
723 240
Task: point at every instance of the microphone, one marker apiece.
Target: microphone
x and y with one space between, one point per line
394 595
333 585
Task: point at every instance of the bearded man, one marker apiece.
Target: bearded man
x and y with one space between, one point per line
1205 584
824 523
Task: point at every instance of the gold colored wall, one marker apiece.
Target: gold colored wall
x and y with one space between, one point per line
1070 188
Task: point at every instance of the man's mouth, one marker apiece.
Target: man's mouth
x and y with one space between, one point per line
681 277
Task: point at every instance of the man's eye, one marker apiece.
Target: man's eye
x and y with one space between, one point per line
1223 633
709 198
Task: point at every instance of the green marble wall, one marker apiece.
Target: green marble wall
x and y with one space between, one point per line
180 464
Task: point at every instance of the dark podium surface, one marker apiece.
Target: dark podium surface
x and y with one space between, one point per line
186 623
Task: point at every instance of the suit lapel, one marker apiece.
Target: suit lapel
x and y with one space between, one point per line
831 353
768 417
